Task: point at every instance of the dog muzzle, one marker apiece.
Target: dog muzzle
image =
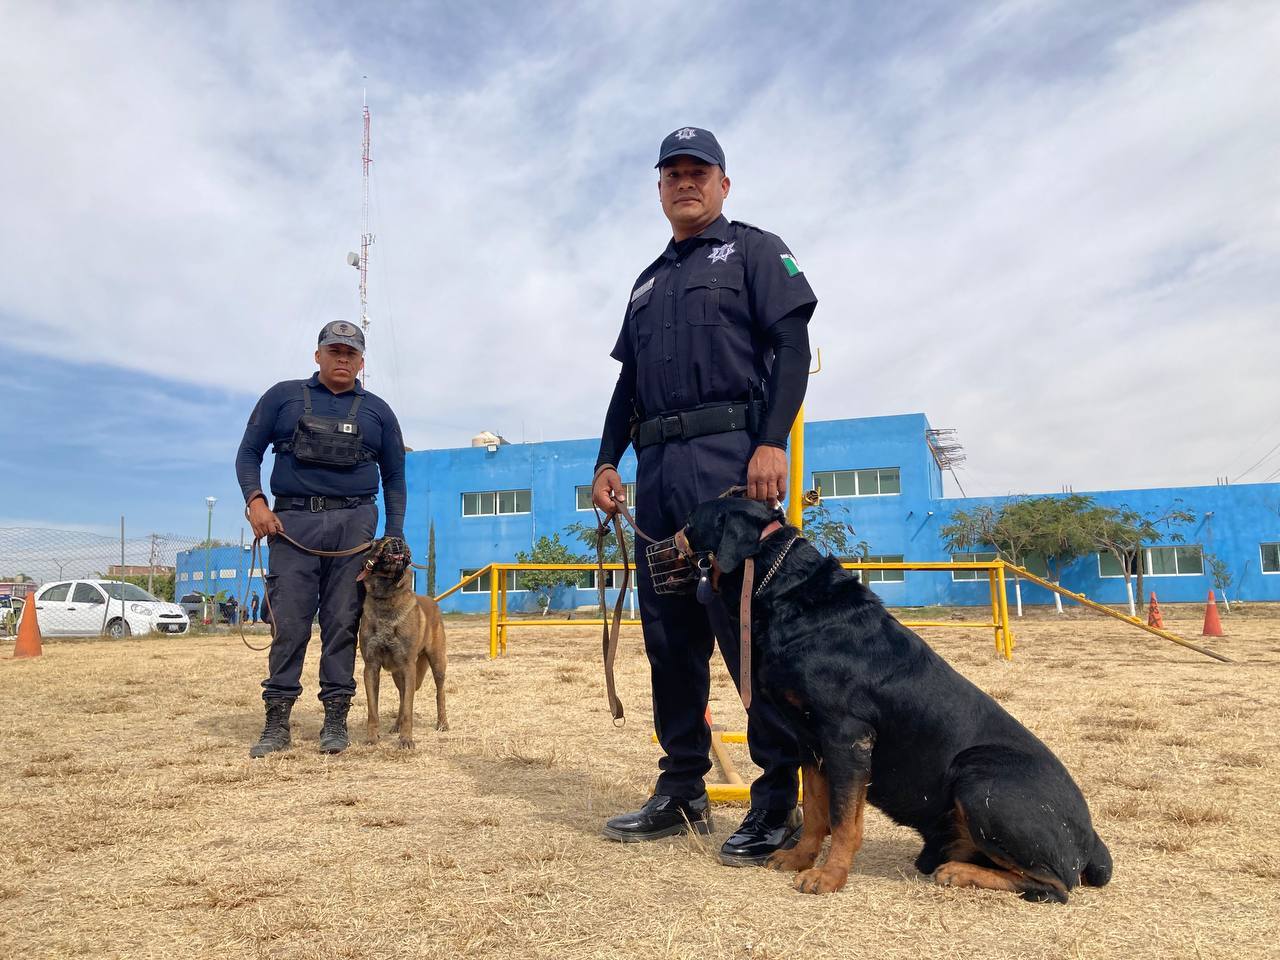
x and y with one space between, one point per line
675 568
391 553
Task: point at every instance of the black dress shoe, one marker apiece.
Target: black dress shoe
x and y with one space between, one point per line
661 817
762 832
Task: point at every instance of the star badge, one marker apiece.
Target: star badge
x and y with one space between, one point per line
721 253
686 133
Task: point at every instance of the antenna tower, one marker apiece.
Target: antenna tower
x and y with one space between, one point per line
366 238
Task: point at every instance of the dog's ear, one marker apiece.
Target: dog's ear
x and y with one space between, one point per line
739 539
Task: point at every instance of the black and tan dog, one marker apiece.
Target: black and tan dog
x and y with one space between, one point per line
401 632
884 720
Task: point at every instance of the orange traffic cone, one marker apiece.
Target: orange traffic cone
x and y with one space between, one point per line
28 644
1212 625
1155 618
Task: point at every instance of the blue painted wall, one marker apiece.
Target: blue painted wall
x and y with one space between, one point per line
1242 517
228 570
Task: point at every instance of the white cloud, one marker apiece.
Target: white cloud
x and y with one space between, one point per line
1054 233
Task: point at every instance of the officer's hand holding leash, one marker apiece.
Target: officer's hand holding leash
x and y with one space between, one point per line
607 490
767 475
262 519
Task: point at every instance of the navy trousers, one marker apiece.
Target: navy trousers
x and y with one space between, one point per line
679 633
299 585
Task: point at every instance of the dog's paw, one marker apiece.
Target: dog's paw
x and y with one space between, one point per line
373 736
821 880
954 873
405 743
442 726
791 860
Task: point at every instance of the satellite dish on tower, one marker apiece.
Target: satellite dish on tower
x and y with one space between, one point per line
354 259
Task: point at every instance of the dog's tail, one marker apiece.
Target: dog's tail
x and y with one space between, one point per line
1098 870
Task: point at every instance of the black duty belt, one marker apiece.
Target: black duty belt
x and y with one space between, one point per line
699 422
317 504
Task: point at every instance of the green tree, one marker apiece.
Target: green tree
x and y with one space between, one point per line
431 560
585 533
1006 530
542 583
1123 532
161 583
833 535
1056 530
1221 576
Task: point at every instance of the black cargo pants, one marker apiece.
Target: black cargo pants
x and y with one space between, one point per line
299 584
671 479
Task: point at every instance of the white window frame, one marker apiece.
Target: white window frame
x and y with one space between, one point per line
866 576
857 485
972 556
1146 562
1262 558
496 511
630 486
474 586
614 582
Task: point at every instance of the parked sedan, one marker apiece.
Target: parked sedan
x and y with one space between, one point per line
84 608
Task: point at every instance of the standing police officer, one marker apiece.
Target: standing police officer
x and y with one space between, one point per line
715 328
331 438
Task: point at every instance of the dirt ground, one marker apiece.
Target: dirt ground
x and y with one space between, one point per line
136 826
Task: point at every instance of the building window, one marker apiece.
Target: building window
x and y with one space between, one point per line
877 482
182 576
878 576
1174 561
491 502
612 579
971 558
481 584
1270 557
584 496
1156 562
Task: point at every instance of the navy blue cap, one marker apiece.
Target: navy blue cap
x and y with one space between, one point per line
693 142
340 331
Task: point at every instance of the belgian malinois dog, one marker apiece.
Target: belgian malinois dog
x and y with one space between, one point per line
399 631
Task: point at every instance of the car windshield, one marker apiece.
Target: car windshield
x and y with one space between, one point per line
129 591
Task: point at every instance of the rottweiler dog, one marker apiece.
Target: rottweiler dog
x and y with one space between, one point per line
402 632
884 720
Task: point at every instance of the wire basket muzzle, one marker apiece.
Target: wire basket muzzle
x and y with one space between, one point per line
671 571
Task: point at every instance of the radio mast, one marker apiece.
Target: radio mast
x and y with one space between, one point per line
361 261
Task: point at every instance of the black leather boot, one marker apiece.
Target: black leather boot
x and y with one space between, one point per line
762 832
661 817
333 735
275 735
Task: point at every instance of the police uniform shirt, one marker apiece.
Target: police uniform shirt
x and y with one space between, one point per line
276 416
695 329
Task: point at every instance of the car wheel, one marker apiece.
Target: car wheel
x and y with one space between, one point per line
117 629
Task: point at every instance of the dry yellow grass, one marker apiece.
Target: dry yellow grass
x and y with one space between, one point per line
136 826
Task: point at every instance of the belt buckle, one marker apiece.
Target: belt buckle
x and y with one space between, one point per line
315 504
672 427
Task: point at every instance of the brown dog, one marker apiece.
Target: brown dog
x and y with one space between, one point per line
402 632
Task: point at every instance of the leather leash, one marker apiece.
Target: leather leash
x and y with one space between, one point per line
749 592
611 629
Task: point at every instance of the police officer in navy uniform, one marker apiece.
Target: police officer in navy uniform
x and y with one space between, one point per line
332 439
715 327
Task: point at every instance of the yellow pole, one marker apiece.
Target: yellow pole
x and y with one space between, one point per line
1004 614
795 478
995 610
503 614
493 614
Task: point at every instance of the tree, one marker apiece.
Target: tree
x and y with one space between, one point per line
1006 530
1056 531
431 560
585 533
1123 532
1221 575
542 583
831 535
161 583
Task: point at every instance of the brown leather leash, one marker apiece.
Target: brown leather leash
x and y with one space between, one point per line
610 630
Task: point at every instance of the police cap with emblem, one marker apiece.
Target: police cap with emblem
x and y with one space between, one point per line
691 142
340 331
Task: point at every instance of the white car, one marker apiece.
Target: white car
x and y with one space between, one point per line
86 608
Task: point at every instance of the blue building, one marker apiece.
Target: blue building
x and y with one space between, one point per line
880 473
228 568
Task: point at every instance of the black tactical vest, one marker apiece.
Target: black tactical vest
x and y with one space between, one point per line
326 441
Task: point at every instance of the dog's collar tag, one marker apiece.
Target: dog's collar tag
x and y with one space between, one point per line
704 580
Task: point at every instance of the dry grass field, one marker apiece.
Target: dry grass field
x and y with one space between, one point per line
136 826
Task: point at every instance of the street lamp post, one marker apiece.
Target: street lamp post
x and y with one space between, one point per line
208 543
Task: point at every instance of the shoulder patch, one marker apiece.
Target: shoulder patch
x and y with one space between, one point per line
789 264
641 290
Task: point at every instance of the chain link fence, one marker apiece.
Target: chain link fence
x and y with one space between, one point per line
90 584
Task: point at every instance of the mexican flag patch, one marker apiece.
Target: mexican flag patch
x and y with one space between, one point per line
789 262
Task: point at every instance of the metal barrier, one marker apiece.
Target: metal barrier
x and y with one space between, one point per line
500 620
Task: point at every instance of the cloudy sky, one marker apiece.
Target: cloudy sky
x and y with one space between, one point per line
1050 225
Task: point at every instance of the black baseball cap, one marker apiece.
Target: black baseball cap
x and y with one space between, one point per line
692 142
340 331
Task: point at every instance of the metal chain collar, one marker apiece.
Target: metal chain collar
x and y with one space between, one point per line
764 581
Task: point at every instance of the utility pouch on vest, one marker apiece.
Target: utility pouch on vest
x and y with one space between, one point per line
326 441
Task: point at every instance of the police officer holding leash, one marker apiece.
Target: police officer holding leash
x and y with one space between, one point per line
715 327
331 439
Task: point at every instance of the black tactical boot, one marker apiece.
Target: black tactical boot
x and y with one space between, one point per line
275 735
333 735
661 817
